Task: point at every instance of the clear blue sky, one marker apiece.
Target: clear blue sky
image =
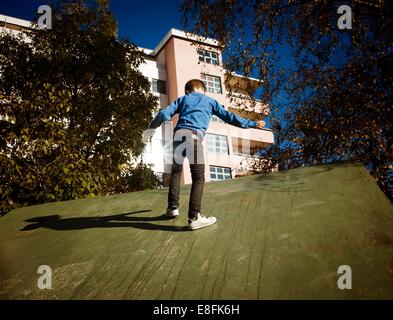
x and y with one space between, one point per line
143 22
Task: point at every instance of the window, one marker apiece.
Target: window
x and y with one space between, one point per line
220 173
217 119
217 143
212 83
159 86
208 56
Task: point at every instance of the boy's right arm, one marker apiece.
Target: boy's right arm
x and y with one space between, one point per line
162 116
165 114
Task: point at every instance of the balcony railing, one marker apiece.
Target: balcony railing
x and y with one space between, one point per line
264 135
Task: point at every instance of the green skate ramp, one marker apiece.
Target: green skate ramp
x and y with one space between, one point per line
278 236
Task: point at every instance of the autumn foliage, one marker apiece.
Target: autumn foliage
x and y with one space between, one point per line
329 89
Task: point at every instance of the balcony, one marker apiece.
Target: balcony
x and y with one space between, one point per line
249 105
238 92
264 136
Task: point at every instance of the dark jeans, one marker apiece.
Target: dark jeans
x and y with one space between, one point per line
187 143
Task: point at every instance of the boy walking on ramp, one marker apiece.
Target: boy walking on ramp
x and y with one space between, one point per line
195 111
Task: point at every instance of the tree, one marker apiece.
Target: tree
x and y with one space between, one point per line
73 107
137 178
329 89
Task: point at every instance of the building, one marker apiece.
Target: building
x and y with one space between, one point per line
178 58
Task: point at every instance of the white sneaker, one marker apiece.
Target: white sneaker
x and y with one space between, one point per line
172 212
201 222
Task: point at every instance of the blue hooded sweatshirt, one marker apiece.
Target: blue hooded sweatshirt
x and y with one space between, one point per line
195 112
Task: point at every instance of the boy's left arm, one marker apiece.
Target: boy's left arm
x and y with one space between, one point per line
234 119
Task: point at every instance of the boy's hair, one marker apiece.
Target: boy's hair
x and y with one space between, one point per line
194 83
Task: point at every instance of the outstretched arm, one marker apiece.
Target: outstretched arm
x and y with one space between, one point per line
234 119
165 114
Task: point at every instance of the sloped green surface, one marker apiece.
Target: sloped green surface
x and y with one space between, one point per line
279 236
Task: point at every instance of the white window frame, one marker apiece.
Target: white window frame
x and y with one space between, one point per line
218 173
155 87
212 83
217 143
207 56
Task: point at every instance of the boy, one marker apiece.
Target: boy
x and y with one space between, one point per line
195 111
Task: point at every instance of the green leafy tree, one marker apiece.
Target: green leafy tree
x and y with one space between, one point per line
329 89
73 107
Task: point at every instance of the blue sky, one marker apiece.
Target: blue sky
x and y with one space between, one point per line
143 22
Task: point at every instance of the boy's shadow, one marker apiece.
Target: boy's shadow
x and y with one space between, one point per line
56 222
